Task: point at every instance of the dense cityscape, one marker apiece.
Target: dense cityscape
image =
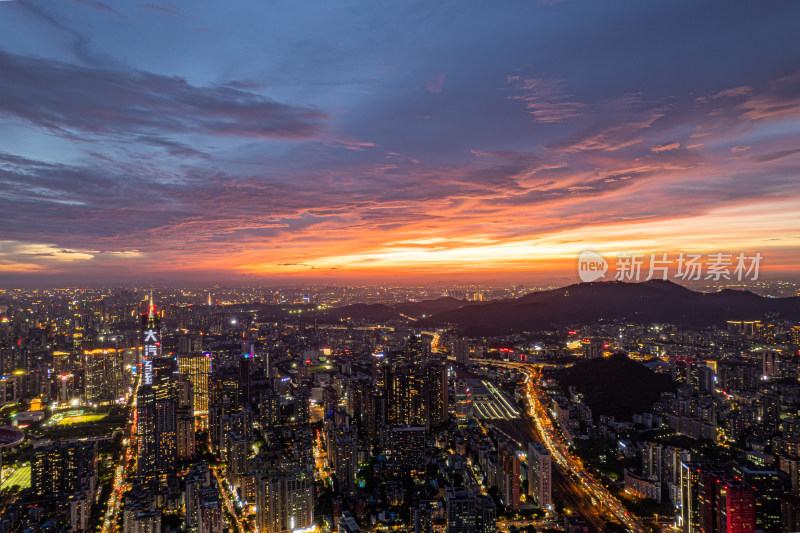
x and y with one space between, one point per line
270 410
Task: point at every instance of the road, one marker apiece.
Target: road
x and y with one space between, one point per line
559 451
522 430
576 500
127 463
539 524
226 496
126 467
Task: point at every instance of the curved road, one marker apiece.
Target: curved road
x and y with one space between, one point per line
560 453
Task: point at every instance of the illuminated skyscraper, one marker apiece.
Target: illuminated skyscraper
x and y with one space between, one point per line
224 387
652 461
463 400
185 389
422 517
302 397
198 478
419 350
151 342
209 512
343 458
197 369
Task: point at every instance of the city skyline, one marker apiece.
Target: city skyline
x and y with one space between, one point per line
622 407
406 142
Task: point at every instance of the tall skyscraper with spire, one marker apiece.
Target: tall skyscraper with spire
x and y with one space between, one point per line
156 407
151 341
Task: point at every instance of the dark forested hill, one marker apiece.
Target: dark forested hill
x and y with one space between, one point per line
616 386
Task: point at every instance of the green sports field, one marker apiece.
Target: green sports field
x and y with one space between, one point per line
21 477
80 419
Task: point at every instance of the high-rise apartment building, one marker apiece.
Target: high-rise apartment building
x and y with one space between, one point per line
63 468
540 480
460 350
422 516
716 501
405 446
225 386
508 465
198 478
436 394
343 457
485 514
186 433
404 396
302 402
460 510
284 501
104 375
652 461
209 511
245 377
142 522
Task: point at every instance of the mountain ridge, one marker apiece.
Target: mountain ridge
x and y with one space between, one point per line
654 301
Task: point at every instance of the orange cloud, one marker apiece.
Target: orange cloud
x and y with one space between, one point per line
665 147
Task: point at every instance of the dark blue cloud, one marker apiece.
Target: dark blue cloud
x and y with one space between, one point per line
113 103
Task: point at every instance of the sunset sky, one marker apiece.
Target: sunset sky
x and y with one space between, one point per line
347 141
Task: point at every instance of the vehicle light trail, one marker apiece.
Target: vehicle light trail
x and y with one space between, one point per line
560 452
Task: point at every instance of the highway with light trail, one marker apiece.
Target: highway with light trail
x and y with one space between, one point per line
559 450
